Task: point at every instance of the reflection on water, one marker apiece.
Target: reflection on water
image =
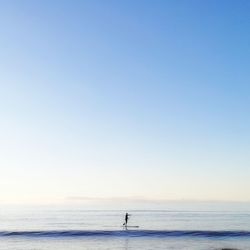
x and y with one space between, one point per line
126 247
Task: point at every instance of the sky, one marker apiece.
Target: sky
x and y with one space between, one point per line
124 100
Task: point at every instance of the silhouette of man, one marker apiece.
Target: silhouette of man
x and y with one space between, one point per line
126 219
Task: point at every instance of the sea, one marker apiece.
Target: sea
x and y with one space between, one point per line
79 229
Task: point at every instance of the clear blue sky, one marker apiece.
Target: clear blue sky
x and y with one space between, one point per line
124 99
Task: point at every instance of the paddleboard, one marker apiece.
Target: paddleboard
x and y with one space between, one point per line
130 226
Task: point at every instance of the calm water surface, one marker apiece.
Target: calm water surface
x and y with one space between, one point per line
40 229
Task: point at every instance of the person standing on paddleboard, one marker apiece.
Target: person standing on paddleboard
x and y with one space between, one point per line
126 219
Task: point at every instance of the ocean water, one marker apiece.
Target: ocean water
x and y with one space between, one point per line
68 229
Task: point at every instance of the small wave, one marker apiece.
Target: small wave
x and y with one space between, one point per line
126 233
